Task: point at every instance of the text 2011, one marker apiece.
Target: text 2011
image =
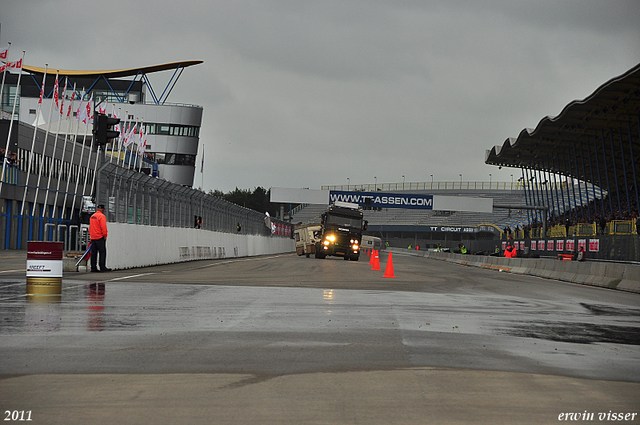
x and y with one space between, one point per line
17 415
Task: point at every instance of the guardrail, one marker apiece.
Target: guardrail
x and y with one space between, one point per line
427 186
621 276
616 227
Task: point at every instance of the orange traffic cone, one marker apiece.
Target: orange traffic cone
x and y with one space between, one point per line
388 271
376 261
371 257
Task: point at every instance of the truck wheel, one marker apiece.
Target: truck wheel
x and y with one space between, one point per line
355 258
346 257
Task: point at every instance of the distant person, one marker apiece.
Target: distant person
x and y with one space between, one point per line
510 252
98 234
581 254
603 224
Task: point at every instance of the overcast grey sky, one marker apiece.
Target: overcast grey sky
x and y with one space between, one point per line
309 93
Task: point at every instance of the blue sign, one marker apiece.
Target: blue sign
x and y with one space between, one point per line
383 200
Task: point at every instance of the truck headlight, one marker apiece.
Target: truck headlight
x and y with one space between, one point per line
331 238
326 242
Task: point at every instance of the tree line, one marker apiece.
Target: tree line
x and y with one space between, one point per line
257 200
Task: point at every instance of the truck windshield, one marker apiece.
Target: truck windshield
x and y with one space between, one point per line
344 221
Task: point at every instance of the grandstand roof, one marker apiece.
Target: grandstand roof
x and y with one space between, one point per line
115 73
608 120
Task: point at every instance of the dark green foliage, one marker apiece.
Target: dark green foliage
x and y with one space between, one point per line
258 200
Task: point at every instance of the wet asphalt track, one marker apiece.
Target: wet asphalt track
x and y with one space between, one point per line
280 316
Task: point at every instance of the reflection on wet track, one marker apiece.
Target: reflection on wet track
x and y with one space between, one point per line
124 326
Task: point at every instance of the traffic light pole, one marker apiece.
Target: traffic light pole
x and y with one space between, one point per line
103 132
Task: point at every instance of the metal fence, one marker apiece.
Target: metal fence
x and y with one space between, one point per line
133 197
616 227
470 185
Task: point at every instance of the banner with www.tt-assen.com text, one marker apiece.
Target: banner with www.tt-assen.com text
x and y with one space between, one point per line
383 200
414 201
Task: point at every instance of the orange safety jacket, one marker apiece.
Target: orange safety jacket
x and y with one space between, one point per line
98 226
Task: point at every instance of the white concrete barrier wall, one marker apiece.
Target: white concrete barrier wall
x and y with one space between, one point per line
620 276
130 245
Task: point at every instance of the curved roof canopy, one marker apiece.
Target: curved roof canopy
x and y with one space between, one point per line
107 75
595 139
115 73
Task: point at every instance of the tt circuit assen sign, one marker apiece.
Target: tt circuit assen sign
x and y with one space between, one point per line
383 200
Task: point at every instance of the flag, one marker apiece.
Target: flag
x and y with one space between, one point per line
55 92
73 96
64 94
129 137
15 65
42 91
123 133
114 115
143 142
87 113
102 109
4 51
12 66
79 110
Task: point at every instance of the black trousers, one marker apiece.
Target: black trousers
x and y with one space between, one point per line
98 249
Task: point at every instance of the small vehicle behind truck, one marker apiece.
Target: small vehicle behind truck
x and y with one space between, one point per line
306 236
371 242
341 231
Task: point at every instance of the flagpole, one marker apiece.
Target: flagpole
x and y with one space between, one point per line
112 144
84 140
13 112
53 156
44 148
127 142
4 71
141 145
132 166
64 148
120 130
123 135
86 176
202 169
73 155
33 140
202 180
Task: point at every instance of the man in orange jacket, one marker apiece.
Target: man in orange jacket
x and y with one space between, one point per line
98 234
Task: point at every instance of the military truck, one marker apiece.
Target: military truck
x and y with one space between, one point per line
341 230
